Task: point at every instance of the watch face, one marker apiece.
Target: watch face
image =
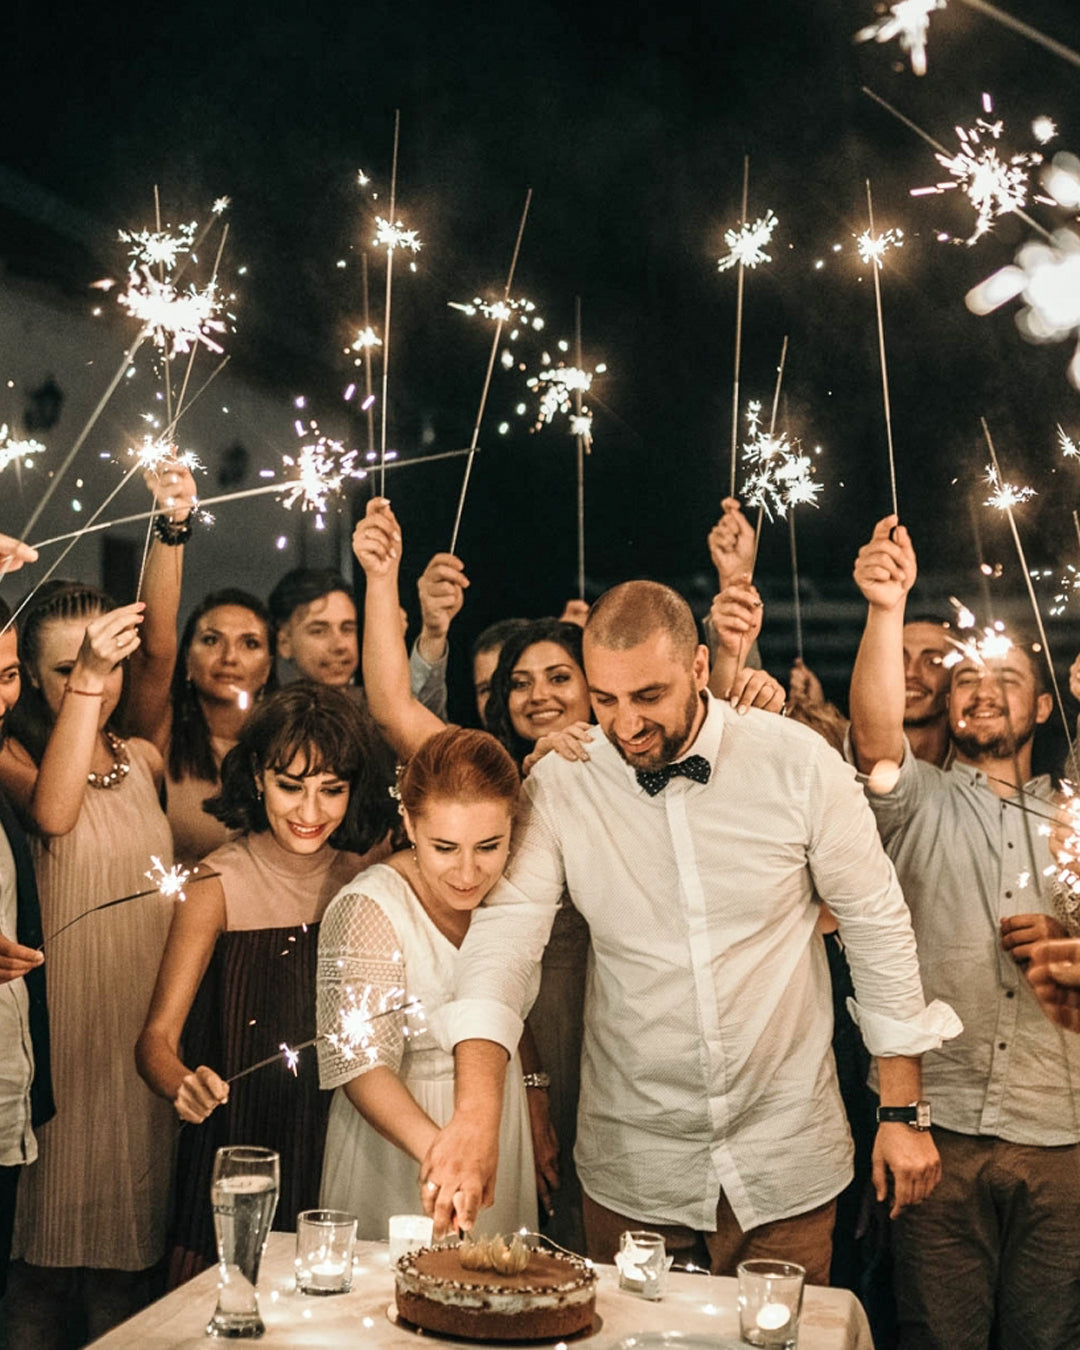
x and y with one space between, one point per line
922 1115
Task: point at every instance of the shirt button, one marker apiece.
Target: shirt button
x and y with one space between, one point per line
1008 895
1002 1045
1010 993
1010 843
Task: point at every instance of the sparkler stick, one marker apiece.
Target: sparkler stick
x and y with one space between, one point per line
772 432
500 318
1076 525
290 1053
369 400
795 586
738 333
582 449
170 886
262 491
943 151
1007 506
1025 30
386 319
875 267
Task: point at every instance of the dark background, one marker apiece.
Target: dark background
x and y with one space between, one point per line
630 122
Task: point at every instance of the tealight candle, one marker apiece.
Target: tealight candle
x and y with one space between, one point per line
324 1251
772 1316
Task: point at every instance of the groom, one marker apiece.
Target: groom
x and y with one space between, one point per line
695 842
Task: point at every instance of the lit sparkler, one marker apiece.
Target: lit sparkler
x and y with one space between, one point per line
19 451
1044 129
872 248
155 453
321 467
556 386
1066 444
747 243
366 338
1047 277
177 321
160 248
908 20
779 476
991 643
995 186
170 881
391 236
1005 496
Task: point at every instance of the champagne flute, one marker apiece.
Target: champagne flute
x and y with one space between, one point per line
244 1196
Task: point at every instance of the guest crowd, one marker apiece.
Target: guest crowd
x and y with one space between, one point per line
661 946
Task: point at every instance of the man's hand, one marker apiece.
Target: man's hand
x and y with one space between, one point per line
442 592
731 544
13 554
1020 932
885 569
736 615
911 1158
570 743
376 541
16 961
545 1144
1054 974
575 611
457 1176
175 493
756 689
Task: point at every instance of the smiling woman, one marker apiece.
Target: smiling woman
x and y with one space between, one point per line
237 980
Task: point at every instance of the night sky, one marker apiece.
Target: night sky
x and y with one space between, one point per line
630 122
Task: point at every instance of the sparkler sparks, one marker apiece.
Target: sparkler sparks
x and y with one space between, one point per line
506 311
390 236
990 645
994 186
154 454
1066 444
557 386
366 338
872 247
176 320
1044 129
747 243
159 248
779 476
1047 276
321 467
1005 495
1065 869
170 881
17 450
908 20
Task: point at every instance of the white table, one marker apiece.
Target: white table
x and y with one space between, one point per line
832 1319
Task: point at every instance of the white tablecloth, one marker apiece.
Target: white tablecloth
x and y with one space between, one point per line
832 1319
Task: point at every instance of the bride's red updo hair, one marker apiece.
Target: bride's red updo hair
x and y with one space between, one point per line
459 765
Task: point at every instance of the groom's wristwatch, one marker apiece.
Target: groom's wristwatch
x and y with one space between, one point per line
917 1115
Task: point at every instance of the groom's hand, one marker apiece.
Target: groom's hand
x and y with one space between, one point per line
457 1176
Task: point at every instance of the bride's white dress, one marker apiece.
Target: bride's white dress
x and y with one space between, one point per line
378 949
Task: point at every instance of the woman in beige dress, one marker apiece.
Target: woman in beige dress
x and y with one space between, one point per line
92 1210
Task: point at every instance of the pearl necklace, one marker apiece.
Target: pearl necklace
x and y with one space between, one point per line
121 765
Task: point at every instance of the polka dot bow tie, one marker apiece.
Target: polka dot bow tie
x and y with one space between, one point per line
656 780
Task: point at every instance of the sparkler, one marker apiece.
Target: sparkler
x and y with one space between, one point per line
1047 277
19 451
1006 495
391 235
747 243
908 20
170 884
1004 498
366 341
353 1037
501 313
872 248
1044 129
321 467
581 428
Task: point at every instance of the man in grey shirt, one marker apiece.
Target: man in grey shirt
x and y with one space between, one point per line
993 1257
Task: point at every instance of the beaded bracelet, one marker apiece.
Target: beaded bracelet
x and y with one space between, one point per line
172 533
84 693
537 1080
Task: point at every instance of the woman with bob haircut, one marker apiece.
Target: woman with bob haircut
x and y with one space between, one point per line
390 941
237 981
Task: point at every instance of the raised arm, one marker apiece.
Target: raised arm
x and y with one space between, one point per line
402 719
52 792
885 571
441 589
731 544
147 712
197 922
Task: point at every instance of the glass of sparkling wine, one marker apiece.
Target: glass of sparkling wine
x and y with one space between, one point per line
244 1195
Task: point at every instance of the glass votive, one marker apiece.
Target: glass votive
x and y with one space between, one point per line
324 1251
408 1233
770 1301
643 1264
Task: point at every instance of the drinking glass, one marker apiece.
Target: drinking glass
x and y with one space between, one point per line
324 1251
770 1301
244 1196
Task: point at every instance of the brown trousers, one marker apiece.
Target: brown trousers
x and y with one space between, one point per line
804 1238
992 1257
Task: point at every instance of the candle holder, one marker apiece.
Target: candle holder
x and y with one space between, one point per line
643 1264
770 1301
409 1233
324 1251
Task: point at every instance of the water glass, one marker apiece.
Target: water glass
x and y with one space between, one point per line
244 1196
770 1301
324 1251
408 1233
643 1264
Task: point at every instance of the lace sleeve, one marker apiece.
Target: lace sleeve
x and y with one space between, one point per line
361 975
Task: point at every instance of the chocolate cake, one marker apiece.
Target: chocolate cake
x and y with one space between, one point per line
554 1296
